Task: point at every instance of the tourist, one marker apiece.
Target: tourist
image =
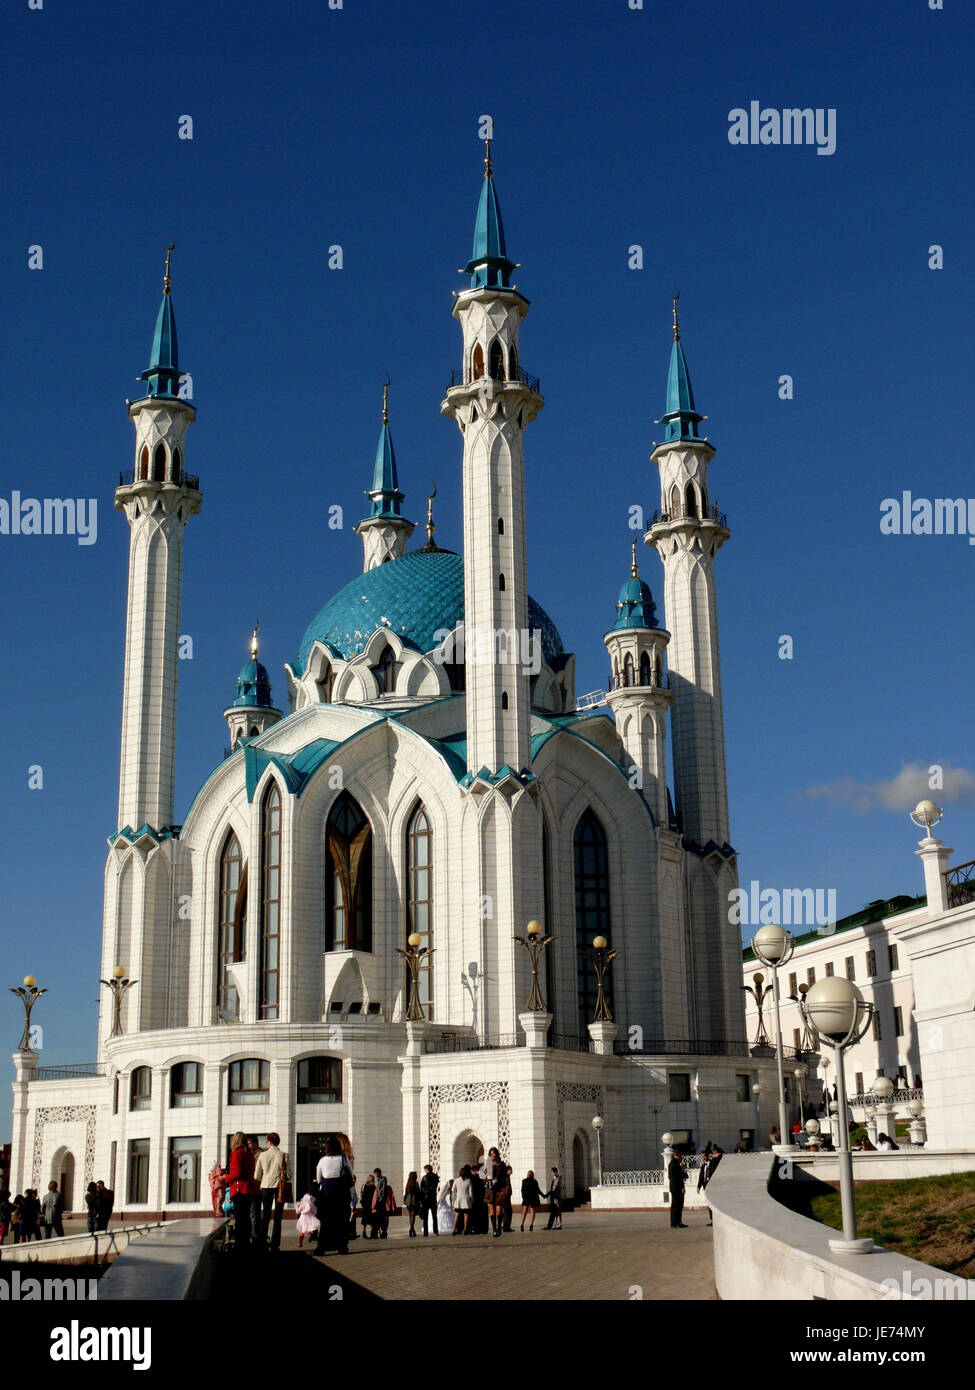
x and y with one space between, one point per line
365 1203
885 1144
507 1201
307 1223
273 1175
254 1149
865 1145
30 1211
104 1205
554 1195
775 1136
411 1200
218 1186
463 1202
6 1212
335 1177
444 1215
52 1205
707 1173
383 1202
429 1189
241 1178
498 1190
676 1178
91 1193
477 1222
531 1199
353 1203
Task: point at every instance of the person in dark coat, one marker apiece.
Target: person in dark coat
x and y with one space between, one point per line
554 1195
531 1199
429 1187
104 1204
676 1178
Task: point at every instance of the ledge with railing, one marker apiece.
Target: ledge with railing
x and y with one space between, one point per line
521 378
961 884
648 1177
129 477
67 1073
662 518
684 1047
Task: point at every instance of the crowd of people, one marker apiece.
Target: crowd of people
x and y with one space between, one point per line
28 1216
257 1184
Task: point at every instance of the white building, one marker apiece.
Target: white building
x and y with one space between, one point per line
426 784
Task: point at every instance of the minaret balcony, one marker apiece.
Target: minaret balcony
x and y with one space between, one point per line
130 477
522 378
660 518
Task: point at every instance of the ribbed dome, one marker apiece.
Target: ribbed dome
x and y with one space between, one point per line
253 686
415 596
635 606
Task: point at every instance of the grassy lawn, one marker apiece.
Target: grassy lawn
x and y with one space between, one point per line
928 1219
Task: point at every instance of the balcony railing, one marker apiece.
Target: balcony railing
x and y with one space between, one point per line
130 476
67 1073
961 884
660 517
524 378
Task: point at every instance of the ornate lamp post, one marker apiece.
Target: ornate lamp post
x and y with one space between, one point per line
601 959
916 1111
28 994
535 945
119 986
597 1124
812 1129
800 1074
756 1094
882 1090
773 946
414 955
759 991
838 1014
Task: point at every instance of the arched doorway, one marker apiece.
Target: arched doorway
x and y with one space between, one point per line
581 1167
468 1148
62 1172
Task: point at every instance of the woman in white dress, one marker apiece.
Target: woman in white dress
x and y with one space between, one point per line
445 1207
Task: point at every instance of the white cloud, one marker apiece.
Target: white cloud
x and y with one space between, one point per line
940 782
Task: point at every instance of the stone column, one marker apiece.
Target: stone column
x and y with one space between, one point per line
603 1036
20 1159
535 1026
933 854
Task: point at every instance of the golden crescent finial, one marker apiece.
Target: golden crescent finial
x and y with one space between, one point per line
676 324
167 282
254 641
634 570
386 400
430 523
487 158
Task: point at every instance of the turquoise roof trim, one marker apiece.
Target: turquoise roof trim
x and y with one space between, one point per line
253 687
416 596
162 375
489 264
635 606
384 493
680 417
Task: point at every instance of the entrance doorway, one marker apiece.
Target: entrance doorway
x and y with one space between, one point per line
308 1150
581 1167
62 1172
468 1148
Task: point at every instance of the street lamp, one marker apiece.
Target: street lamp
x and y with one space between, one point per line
882 1089
773 946
812 1129
601 959
756 1093
800 1074
119 986
926 815
414 956
28 994
535 945
597 1125
838 1014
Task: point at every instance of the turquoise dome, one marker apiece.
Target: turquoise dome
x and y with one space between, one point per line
253 686
635 606
415 596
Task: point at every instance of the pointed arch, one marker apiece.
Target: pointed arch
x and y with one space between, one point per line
419 901
177 466
270 901
231 908
646 676
477 362
675 501
159 464
592 906
348 877
144 462
500 525
504 699
501 583
385 671
628 669
690 500
496 361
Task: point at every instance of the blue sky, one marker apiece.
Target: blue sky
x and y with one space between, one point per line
314 127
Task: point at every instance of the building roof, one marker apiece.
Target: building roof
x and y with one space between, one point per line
876 911
416 596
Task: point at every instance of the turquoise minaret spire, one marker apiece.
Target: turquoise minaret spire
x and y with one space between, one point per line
162 375
680 416
489 264
385 530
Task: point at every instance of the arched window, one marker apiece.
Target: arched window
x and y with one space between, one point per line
500 525
254 731
616 674
159 464
140 1089
504 699
144 462
592 908
348 878
675 501
177 466
230 922
270 900
249 1082
690 497
419 903
385 671
646 677
477 363
501 582
496 361
628 669
319 1081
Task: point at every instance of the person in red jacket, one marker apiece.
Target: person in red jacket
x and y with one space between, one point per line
242 1186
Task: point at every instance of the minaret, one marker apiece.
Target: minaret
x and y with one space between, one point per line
493 403
687 536
251 712
638 696
157 505
384 531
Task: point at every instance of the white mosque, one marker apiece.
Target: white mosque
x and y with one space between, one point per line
433 782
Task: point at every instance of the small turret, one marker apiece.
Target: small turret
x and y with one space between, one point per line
384 531
251 712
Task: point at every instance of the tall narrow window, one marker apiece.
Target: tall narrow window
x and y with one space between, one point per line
675 501
270 901
691 500
230 922
177 466
477 363
496 361
592 909
501 582
159 464
144 462
385 672
504 699
348 878
628 670
646 677
419 867
500 525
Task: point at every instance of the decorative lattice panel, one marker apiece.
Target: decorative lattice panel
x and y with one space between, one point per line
466 1092
57 1114
567 1092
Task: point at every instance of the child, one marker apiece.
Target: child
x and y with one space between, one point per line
308 1223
